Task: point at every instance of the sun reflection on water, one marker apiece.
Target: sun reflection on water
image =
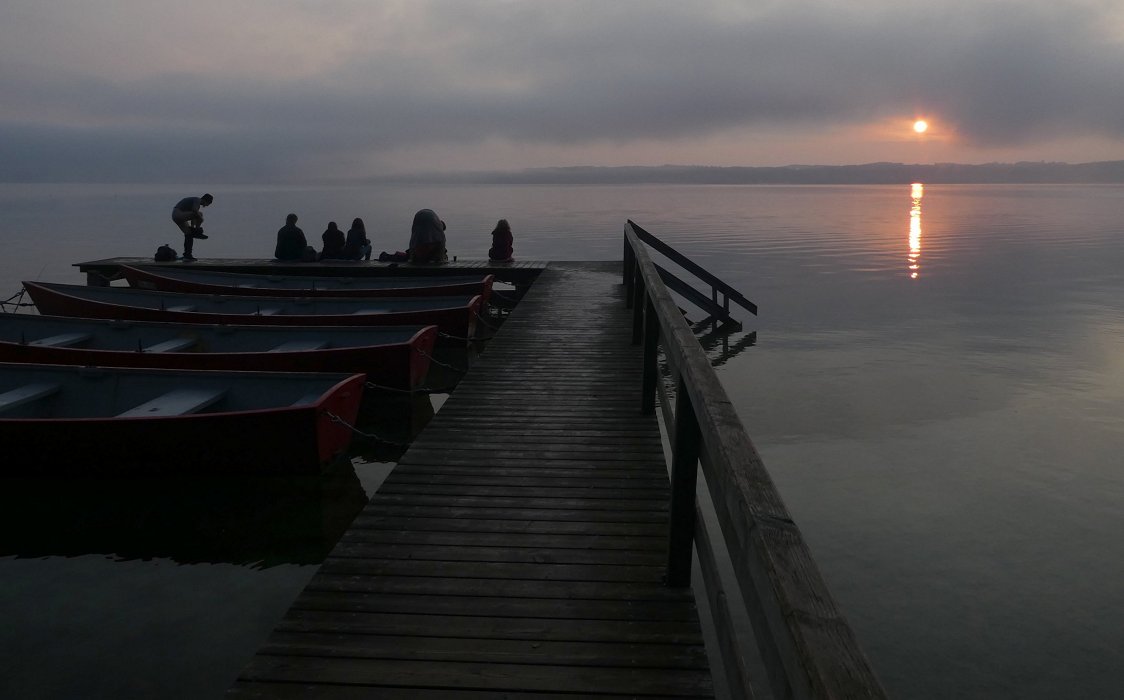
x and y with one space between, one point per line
916 191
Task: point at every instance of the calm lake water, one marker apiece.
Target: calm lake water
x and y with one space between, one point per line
937 387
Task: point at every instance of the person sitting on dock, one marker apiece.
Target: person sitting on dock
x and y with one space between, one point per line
427 238
502 242
188 217
290 240
333 243
358 246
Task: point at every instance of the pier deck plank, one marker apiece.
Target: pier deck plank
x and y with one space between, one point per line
517 549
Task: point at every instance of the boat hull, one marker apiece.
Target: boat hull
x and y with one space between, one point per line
299 437
455 317
186 281
402 364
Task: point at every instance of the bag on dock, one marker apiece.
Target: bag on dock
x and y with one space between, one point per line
166 253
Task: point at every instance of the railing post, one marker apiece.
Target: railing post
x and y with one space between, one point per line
684 475
629 268
639 299
651 371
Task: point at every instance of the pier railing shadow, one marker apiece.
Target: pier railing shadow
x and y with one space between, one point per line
806 646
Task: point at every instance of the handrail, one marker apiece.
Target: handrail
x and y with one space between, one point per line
806 645
694 268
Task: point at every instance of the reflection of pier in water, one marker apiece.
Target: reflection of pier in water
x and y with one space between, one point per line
258 521
716 342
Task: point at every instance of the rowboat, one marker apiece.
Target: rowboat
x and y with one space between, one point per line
455 316
186 280
59 419
392 356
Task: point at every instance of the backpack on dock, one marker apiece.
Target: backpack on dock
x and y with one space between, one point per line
166 253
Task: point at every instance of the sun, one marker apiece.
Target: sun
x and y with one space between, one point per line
921 126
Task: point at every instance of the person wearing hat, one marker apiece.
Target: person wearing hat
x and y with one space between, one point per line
188 216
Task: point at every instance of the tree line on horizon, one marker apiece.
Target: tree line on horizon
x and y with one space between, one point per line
1043 172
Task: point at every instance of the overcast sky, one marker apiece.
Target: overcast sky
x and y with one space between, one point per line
293 90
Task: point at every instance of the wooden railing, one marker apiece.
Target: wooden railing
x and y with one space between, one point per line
721 294
805 644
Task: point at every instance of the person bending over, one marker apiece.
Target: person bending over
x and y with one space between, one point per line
188 216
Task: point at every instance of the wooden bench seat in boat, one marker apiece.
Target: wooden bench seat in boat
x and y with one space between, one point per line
62 340
298 345
26 394
176 403
306 399
171 345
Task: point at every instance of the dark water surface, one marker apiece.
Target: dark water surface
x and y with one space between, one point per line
936 385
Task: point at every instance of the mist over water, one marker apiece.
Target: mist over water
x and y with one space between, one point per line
936 386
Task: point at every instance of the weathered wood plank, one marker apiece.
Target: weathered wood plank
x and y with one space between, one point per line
602 453
481 650
443 521
464 552
521 503
506 539
568 609
521 677
250 690
447 458
522 492
512 589
525 571
544 478
551 515
479 627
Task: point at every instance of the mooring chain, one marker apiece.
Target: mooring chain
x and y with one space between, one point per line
462 339
486 324
370 436
16 304
421 390
439 363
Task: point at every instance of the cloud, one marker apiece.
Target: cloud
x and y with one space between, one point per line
281 89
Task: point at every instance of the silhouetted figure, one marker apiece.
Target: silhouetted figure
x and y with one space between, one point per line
502 242
427 238
188 216
290 241
333 243
358 246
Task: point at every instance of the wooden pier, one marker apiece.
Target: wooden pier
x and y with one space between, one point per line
535 542
518 549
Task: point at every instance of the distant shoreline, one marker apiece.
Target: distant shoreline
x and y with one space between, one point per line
1103 172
